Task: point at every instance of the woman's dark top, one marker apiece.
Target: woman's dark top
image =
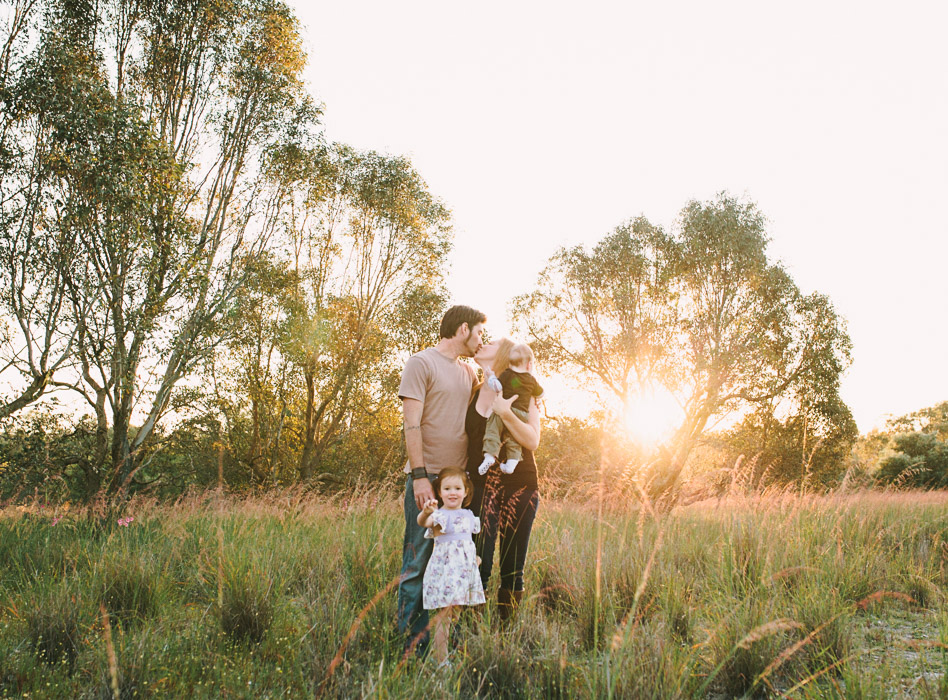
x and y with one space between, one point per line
524 476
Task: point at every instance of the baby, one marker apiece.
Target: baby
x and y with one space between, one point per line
517 381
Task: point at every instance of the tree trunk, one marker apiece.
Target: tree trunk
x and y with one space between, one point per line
122 467
306 460
663 486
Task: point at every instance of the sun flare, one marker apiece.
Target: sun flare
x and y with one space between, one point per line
652 416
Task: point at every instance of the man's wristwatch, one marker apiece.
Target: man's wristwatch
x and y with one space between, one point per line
419 473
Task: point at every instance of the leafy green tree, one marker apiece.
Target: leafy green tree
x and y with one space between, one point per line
609 312
44 455
38 339
750 335
369 243
922 462
251 377
153 117
913 450
811 446
703 313
933 419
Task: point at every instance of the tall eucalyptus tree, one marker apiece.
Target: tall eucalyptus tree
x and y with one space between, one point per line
151 118
702 312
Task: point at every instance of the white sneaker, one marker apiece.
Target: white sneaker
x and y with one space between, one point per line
509 466
486 464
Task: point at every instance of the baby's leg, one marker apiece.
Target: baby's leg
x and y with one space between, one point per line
514 450
492 437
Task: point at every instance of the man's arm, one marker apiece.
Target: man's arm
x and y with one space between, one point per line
527 434
411 412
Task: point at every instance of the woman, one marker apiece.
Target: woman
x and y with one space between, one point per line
505 503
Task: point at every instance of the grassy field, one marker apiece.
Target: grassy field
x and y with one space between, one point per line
839 596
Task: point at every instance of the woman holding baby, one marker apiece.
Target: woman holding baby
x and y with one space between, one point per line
506 495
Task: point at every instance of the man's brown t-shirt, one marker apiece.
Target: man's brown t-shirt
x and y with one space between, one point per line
444 386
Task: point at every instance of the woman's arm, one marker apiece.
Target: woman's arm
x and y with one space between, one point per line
527 434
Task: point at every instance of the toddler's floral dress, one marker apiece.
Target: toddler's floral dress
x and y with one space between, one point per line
452 576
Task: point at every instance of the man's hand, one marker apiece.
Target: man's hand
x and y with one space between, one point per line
423 492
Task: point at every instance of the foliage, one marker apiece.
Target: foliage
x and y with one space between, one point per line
571 456
320 334
810 448
141 124
607 312
703 313
922 462
34 260
43 455
228 295
931 420
910 452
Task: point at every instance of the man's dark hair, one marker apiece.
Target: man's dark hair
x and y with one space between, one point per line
457 315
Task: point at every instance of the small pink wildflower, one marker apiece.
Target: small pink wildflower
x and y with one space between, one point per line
57 519
125 521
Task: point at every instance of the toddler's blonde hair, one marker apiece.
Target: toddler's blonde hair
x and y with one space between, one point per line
521 354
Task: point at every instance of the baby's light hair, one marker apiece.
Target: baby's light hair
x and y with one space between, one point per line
465 479
520 354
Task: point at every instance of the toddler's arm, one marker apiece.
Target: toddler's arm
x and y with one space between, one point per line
424 517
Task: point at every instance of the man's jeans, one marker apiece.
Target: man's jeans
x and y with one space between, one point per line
412 616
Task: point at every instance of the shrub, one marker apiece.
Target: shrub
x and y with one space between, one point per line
922 462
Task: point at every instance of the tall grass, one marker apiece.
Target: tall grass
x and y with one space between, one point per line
290 596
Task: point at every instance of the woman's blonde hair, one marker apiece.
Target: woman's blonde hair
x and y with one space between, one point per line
503 356
501 361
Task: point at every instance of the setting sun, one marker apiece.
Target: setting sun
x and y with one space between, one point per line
652 416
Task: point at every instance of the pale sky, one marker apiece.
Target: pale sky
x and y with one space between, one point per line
544 124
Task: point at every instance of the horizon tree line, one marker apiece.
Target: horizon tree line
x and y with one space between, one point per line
229 293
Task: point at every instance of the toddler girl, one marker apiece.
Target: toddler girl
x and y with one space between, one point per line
451 577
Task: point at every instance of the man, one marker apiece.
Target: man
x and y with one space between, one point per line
435 391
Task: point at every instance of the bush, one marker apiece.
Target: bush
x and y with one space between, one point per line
923 462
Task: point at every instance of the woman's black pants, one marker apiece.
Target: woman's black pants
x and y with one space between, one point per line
507 514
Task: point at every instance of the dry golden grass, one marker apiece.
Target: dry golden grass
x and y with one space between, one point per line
290 594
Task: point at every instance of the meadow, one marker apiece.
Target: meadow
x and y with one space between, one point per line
839 596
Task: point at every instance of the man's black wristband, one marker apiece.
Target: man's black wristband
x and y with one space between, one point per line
419 473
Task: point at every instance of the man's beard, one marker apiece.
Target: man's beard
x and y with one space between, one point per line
467 345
